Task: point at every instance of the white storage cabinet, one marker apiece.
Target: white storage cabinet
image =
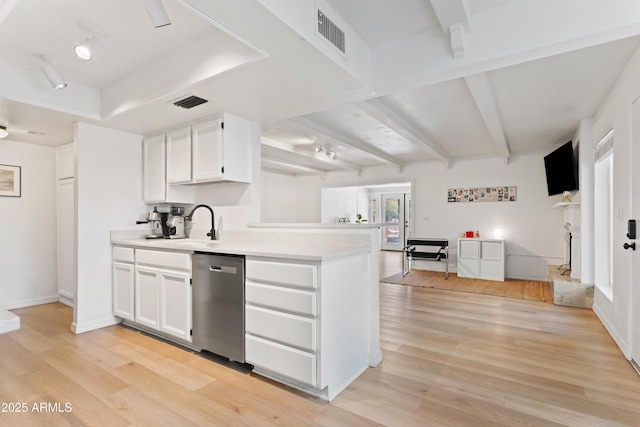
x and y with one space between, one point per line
163 291
152 290
480 258
281 324
155 186
123 282
306 322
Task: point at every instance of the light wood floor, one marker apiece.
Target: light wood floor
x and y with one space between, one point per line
450 359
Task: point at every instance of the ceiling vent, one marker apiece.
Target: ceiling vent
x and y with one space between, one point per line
331 32
189 102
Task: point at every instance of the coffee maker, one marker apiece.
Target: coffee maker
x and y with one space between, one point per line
155 219
175 223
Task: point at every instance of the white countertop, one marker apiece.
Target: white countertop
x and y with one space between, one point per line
297 250
8 322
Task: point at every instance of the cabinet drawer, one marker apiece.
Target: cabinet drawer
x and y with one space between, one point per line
294 300
168 260
295 364
469 249
492 250
282 327
302 275
122 254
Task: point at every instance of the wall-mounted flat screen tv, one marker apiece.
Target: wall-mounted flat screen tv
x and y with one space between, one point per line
561 168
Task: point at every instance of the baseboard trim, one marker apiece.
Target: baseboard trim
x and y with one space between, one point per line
30 303
612 331
91 326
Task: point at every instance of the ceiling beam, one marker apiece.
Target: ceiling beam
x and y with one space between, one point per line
276 163
383 113
455 19
451 12
316 157
482 94
322 131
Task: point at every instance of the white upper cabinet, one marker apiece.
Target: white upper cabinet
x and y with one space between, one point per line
155 187
153 168
207 151
218 150
179 156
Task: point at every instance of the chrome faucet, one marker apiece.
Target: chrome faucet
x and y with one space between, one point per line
212 233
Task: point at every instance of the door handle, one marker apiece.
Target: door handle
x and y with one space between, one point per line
630 245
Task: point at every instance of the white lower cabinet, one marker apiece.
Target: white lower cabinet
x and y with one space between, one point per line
306 322
280 318
123 295
293 363
175 304
155 292
147 297
122 275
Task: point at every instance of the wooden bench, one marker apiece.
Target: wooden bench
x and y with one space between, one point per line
410 253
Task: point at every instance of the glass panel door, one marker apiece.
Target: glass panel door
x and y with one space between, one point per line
393 222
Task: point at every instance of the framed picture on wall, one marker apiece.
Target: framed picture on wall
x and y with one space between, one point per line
10 181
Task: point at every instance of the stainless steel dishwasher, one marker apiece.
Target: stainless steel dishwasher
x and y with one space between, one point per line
218 304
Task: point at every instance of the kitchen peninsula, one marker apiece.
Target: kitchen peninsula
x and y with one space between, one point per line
311 296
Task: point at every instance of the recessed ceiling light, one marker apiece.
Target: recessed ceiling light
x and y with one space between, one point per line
3 132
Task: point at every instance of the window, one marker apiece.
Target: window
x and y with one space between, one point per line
603 214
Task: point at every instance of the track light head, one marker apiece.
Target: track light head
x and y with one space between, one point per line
87 48
54 78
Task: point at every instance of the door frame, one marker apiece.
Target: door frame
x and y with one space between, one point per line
632 256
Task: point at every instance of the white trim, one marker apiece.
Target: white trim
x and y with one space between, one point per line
612 330
30 303
96 324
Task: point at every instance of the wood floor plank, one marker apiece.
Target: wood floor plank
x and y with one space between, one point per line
176 372
71 362
86 409
17 358
142 410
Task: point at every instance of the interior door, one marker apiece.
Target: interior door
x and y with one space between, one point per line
393 222
633 255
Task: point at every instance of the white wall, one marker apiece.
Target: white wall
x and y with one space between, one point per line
533 229
108 197
278 198
615 113
28 244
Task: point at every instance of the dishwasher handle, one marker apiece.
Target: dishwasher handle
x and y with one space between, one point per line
223 269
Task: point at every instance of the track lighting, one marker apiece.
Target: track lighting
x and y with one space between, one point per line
52 75
157 13
327 151
3 132
87 48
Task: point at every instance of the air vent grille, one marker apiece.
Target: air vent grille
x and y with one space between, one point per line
189 102
331 31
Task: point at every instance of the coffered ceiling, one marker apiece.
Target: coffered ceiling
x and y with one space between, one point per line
420 80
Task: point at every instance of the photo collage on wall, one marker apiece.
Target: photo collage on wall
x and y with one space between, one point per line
481 194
